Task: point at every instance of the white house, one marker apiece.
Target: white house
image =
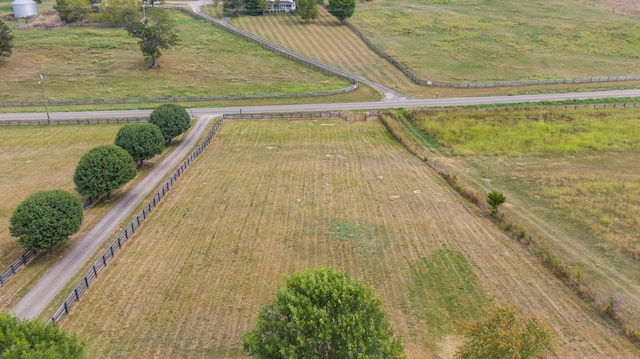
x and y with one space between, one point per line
282 5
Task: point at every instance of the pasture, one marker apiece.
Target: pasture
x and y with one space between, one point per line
271 197
570 177
82 63
461 40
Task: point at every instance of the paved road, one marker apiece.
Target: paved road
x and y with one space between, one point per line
340 106
57 277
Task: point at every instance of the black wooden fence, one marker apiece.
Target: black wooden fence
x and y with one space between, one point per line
84 121
285 115
101 263
27 256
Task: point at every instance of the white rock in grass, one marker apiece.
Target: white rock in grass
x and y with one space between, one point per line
417 191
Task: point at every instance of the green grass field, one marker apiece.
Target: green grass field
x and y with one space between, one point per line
95 63
271 197
478 40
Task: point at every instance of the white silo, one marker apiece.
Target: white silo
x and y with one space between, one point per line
24 8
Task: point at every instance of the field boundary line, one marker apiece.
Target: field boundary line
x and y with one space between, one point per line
86 121
100 264
429 83
29 255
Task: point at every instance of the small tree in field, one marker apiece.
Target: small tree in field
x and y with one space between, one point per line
173 120
45 219
102 170
33 339
156 33
342 9
307 10
322 313
495 199
142 140
6 40
503 335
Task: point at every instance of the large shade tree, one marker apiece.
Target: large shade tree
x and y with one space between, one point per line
156 32
72 10
103 169
322 313
342 9
255 7
6 40
45 219
173 120
32 339
142 140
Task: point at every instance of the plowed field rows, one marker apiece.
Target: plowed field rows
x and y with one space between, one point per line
327 40
268 198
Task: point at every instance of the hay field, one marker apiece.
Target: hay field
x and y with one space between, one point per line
209 61
570 177
271 197
461 40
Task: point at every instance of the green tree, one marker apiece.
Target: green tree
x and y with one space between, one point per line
72 10
342 9
119 11
32 339
322 313
102 170
307 10
255 7
230 6
45 219
157 32
495 199
142 140
503 335
173 120
6 40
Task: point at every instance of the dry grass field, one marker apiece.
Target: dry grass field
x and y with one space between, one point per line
571 178
271 197
462 40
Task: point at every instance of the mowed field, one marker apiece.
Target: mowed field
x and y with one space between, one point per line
85 63
461 40
329 41
570 177
268 198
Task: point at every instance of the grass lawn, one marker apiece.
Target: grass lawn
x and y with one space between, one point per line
95 63
570 176
480 40
271 197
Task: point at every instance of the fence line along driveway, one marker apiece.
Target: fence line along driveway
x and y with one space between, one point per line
57 277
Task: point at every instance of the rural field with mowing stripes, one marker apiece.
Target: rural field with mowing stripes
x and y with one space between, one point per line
461 40
268 198
327 40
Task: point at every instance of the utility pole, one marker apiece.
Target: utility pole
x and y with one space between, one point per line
46 106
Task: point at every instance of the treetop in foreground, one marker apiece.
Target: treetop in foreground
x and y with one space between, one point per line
504 335
173 120
103 169
32 339
141 140
322 313
45 219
